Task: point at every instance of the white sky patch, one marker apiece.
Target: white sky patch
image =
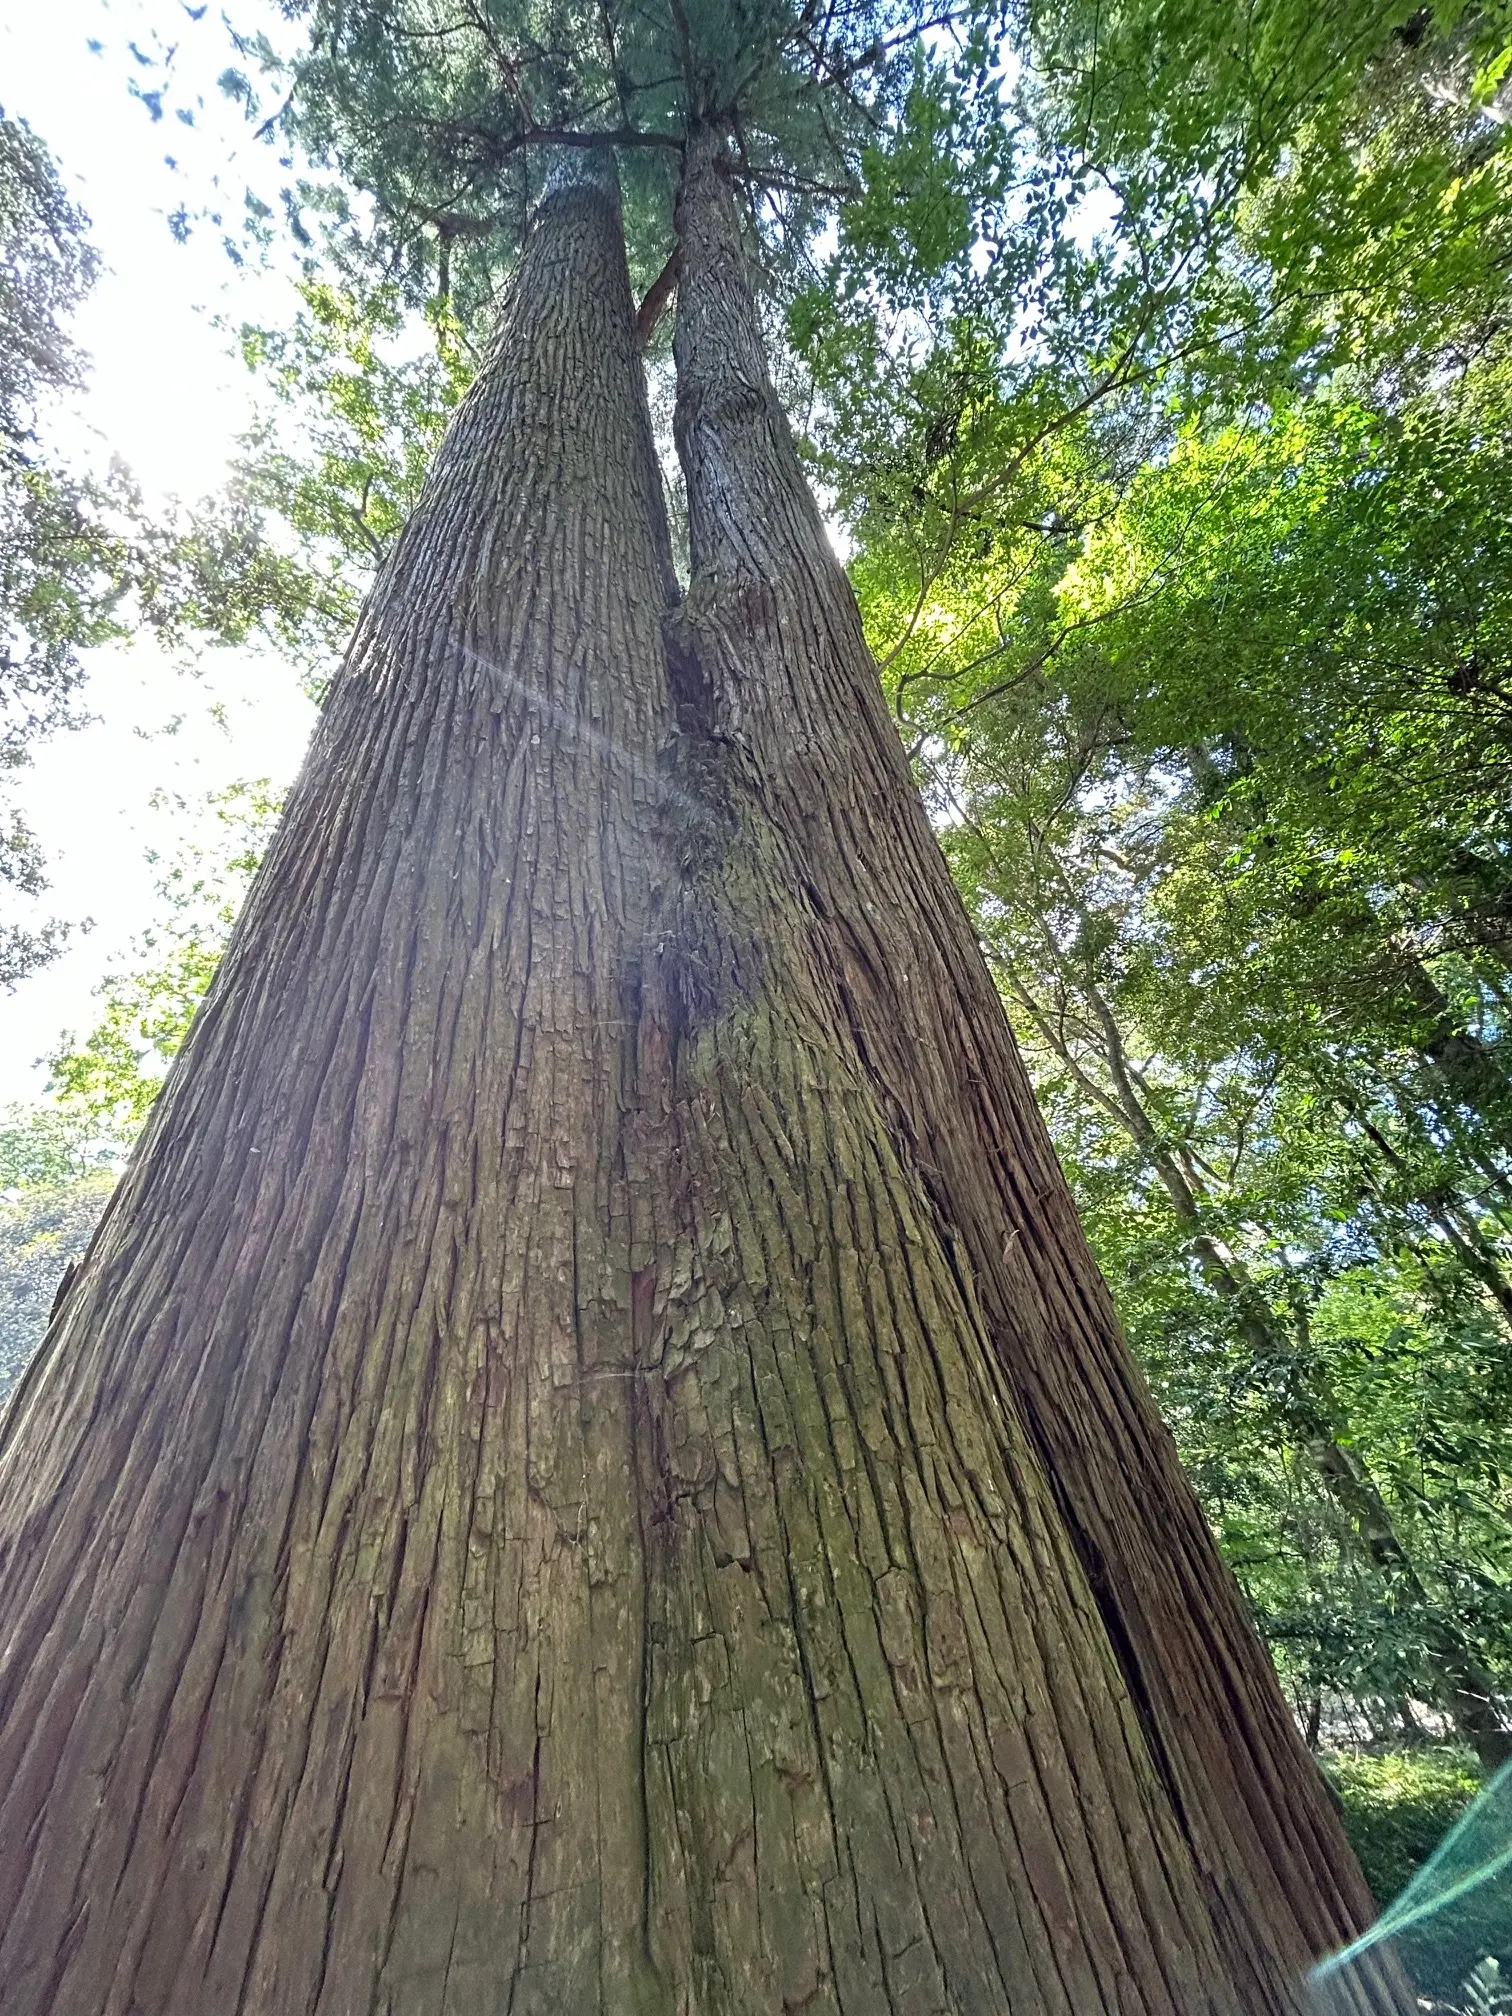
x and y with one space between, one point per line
166 392
89 798
169 396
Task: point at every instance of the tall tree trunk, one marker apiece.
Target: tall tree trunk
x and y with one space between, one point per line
321 1594
827 857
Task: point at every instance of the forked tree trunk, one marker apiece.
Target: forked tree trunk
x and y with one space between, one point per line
587 1468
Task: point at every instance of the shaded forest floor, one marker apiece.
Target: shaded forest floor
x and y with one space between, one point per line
1398 1805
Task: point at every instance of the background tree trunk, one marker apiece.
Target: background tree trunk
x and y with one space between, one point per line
1463 1689
1256 1876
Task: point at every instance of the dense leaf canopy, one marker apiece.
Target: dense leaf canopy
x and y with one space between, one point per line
448 119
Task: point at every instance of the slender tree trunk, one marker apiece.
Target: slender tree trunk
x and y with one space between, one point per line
826 864
1463 1689
1449 1212
1471 1072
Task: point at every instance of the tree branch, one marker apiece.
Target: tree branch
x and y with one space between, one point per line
655 299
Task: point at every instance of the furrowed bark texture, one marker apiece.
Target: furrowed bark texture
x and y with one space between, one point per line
587 1468
1189 1856
320 1600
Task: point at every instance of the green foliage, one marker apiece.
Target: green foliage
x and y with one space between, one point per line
1454 1939
1144 250
1286 1132
1284 1290
41 1231
54 594
117 1072
107 1083
1336 176
55 1178
46 1148
1352 569
451 126
1306 618
342 454
59 1160
47 265
82 562
429 141
1398 1806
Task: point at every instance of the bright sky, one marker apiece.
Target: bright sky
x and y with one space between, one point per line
168 395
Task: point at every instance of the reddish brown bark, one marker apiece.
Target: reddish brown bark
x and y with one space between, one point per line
588 1468
655 302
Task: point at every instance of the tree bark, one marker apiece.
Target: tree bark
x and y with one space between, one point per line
1463 1689
825 827
321 1583
587 1468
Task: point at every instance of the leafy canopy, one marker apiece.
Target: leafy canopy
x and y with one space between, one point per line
447 118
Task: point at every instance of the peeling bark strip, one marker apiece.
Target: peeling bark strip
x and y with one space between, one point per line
587 1468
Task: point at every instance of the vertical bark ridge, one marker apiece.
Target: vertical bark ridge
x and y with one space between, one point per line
319 1576
867 1747
1214 1783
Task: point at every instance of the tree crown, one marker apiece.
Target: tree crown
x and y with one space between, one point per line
447 116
